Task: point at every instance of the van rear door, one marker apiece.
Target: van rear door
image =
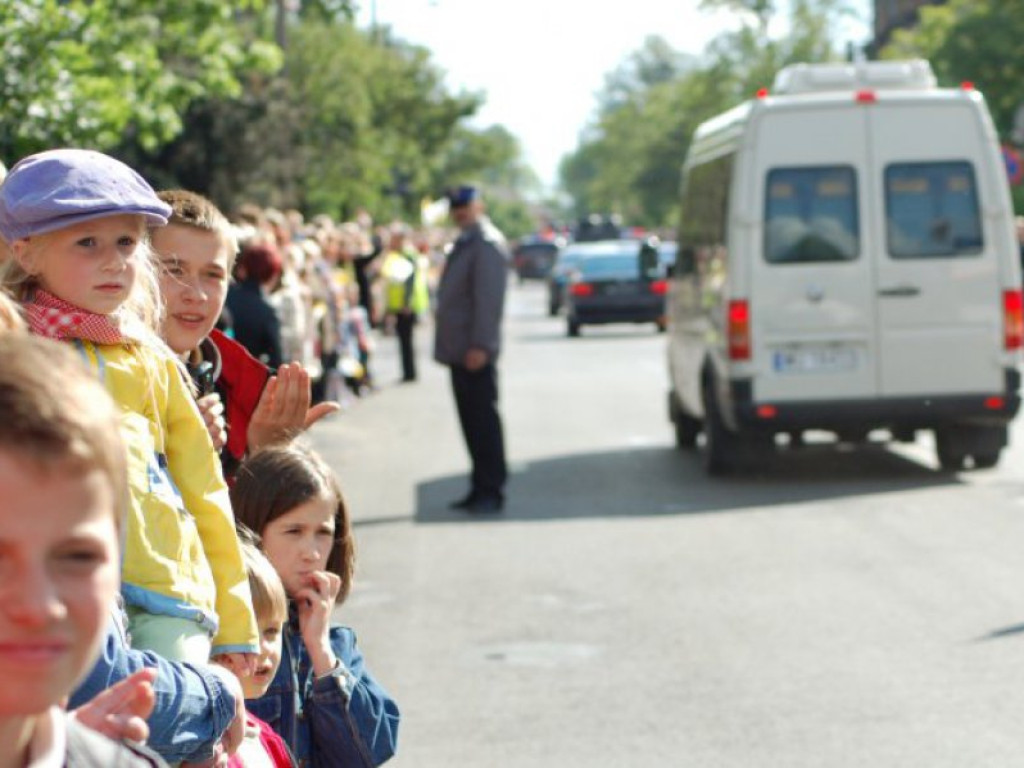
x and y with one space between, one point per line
939 300
812 286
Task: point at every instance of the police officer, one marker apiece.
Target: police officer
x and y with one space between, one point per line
470 300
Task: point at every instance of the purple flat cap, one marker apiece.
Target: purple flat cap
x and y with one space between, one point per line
61 187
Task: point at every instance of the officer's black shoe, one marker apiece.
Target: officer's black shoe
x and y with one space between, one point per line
485 504
464 502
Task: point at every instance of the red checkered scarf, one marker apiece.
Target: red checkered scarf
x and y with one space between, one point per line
55 318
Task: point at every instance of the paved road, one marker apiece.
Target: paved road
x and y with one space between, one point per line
851 608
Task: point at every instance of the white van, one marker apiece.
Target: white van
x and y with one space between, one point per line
847 262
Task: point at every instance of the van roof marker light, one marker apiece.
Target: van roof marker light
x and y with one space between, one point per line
762 93
966 85
865 97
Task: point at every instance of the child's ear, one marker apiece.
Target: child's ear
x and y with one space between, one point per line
23 255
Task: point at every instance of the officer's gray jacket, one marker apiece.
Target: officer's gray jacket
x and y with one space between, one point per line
471 295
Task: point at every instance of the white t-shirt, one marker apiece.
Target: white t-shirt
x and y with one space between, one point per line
49 741
251 752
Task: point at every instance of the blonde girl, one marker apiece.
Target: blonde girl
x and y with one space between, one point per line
73 225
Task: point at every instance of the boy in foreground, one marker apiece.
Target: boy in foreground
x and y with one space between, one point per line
63 493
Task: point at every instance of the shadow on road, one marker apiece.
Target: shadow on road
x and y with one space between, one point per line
664 481
999 634
602 333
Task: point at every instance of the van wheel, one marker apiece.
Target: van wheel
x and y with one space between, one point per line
950 450
954 443
572 328
985 460
720 444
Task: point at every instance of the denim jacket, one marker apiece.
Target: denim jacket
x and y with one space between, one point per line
192 710
344 720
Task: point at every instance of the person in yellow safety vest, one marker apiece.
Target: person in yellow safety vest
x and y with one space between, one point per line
406 292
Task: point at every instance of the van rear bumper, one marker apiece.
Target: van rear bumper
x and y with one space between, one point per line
901 413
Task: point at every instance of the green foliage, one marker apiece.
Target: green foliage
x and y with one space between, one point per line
513 216
376 118
492 157
628 161
975 40
88 73
978 41
354 120
193 94
327 10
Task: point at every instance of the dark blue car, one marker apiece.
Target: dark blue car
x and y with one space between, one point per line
608 284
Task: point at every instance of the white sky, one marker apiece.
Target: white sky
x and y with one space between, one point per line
541 62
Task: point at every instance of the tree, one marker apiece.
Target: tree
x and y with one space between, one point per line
972 40
655 62
492 157
350 122
629 158
375 111
88 73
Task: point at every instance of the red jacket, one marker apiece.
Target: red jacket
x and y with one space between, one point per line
274 745
240 381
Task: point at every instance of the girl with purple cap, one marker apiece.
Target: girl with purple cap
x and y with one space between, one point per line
75 253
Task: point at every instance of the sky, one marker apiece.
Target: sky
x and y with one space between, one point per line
540 63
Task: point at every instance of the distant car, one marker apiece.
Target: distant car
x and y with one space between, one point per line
610 285
667 254
558 278
534 257
595 228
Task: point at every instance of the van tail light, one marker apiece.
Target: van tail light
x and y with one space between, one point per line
1013 320
738 329
581 289
659 287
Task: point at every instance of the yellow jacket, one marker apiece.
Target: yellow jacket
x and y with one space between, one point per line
181 554
406 282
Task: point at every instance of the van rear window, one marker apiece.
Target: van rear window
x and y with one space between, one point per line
931 210
811 215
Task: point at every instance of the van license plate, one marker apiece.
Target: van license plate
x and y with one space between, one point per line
815 360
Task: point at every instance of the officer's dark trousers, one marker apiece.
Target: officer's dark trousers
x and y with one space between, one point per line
404 323
476 397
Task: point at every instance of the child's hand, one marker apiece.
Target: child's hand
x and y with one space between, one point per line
283 411
240 664
120 711
315 603
212 409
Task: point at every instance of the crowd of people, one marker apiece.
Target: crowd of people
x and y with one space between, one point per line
313 293
170 555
